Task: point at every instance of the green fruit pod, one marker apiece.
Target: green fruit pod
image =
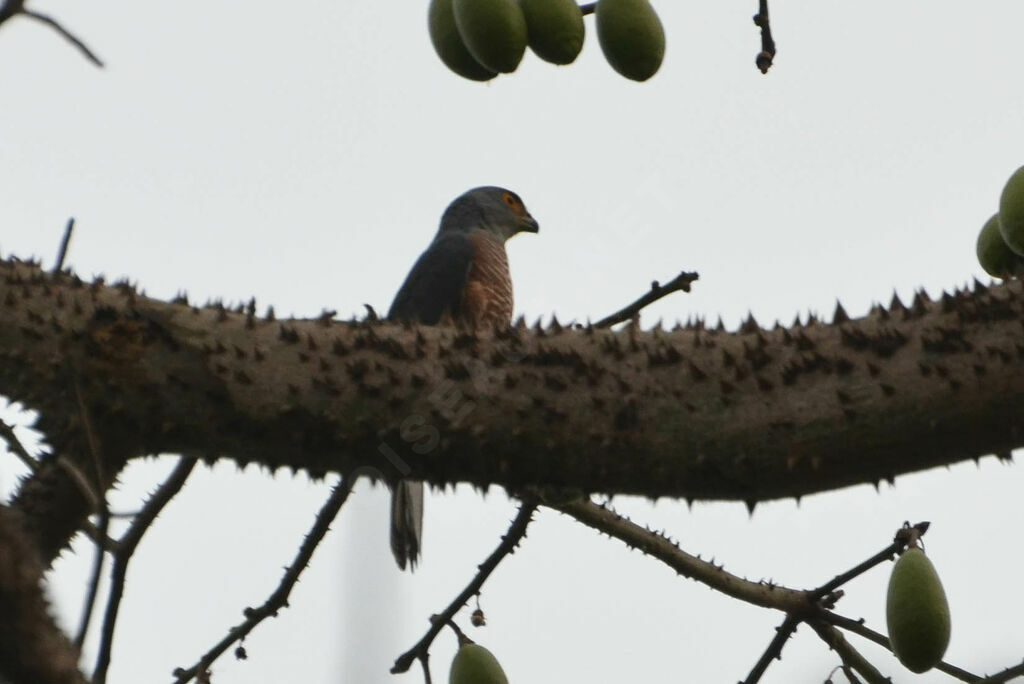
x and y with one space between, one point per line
449 46
474 664
554 29
631 37
916 612
994 255
1011 211
494 32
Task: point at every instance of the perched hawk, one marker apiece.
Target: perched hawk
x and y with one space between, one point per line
462 274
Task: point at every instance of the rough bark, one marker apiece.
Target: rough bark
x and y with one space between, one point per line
695 413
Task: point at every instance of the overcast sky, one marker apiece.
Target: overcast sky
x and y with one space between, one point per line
302 153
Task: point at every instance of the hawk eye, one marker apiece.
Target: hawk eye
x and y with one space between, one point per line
510 199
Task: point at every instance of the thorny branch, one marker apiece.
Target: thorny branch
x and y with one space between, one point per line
125 548
799 606
774 650
511 539
279 599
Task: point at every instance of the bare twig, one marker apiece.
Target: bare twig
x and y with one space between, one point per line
67 35
851 657
15 446
1004 676
94 447
94 579
126 547
85 487
905 535
63 251
858 627
279 599
92 531
425 662
774 650
850 676
511 539
839 580
680 283
767 54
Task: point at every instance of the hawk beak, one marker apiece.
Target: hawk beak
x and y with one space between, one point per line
528 224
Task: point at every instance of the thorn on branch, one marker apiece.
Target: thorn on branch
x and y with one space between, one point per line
15 446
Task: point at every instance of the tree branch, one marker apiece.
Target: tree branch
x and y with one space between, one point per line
125 549
511 539
849 655
62 251
693 567
65 34
858 627
681 283
279 599
32 647
752 415
15 446
774 650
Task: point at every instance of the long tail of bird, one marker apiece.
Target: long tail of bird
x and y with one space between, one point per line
407 522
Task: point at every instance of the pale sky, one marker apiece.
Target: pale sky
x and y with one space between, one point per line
302 153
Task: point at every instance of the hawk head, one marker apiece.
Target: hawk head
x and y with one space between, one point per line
498 211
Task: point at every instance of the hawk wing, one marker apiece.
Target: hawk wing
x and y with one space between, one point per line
436 283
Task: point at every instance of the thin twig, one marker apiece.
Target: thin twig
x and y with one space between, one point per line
94 446
67 35
94 579
680 283
63 251
279 599
858 627
850 656
15 446
767 55
850 676
511 539
425 662
126 547
1004 676
839 580
774 650
92 531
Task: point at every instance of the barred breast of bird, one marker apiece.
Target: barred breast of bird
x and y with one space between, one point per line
487 300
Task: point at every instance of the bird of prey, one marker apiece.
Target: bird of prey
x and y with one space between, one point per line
463 277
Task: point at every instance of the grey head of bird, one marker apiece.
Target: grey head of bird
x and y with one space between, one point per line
499 211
